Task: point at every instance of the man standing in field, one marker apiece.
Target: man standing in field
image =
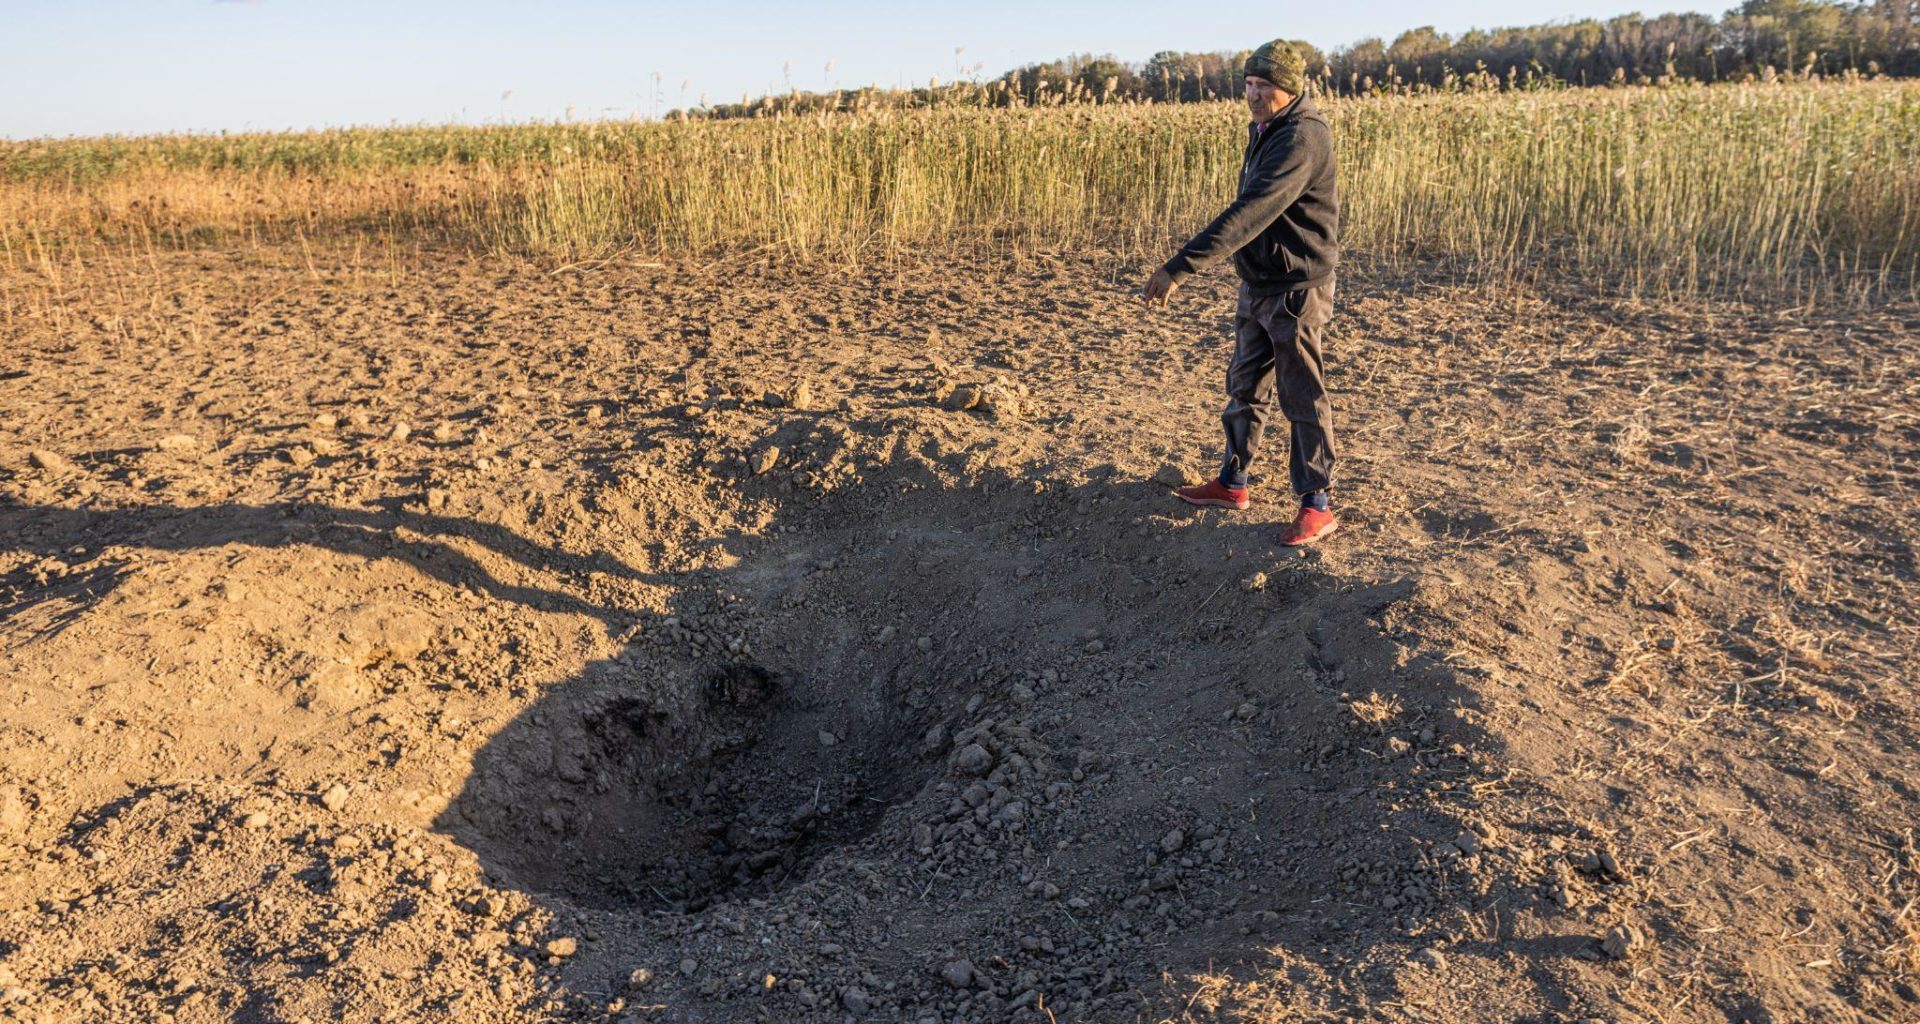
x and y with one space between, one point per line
1282 232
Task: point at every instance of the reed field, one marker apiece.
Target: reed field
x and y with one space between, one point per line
1803 186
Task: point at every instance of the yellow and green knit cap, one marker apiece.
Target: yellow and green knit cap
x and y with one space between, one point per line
1280 64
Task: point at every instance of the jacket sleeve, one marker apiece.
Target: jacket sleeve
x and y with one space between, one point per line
1278 180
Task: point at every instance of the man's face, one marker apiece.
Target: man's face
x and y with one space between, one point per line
1265 99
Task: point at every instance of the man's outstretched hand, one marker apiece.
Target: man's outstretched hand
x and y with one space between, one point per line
1159 286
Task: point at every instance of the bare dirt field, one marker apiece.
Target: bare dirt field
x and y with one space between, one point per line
454 639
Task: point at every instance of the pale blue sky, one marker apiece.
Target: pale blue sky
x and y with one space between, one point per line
90 67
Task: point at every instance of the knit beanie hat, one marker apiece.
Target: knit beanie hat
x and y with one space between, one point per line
1280 64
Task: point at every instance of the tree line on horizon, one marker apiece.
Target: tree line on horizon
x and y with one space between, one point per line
1760 39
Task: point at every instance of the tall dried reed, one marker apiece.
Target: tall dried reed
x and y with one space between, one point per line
1802 186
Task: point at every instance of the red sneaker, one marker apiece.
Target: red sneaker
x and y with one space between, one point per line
1309 526
1214 493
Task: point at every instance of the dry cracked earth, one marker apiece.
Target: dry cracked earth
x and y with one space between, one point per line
738 641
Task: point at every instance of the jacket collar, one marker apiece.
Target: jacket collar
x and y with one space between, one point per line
1256 131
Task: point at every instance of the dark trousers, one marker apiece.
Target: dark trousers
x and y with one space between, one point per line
1277 355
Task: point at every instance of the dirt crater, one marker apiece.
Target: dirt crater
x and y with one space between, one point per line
619 799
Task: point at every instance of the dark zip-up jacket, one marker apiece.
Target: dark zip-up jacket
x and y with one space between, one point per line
1283 230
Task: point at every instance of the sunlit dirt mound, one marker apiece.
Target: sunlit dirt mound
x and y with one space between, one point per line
594 649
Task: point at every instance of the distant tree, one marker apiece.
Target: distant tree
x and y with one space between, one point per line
1824 37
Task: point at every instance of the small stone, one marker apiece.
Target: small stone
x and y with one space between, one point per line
964 397
258 819
1621 941
1468 844
1432 958
335 797
828 739
564 946
925 644
958 973
400 431
639 978
50 461
1096 646
298 455
1172 475
765 459
177 443
689 967
802 397
13 809
1246 711
973 759
934 742
445 431
1611 865
488 906
1257 582
436 498
855 1000
326 421
1173 841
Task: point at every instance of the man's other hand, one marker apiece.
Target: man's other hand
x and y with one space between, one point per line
1159 286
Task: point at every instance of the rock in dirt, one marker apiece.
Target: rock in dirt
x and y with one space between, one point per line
386 632
1173 841
1171 475
335 797
934 743
49 461
564 946
1432 957
177 443
963 397
973 759
640 978
1000 401
335 683
1621 941
958 973
256 820
855 1000
765 459
802 396
13 810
